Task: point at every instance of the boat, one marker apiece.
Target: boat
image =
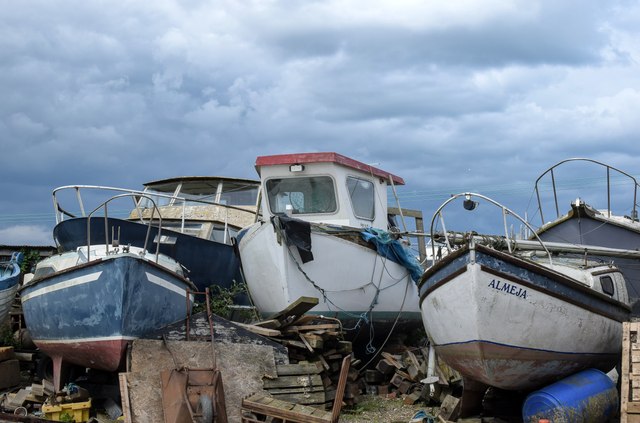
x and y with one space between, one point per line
84 306
520 314
324 234
10 275
200 215
604 214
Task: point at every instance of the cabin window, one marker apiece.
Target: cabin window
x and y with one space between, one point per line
362 197
306 195
607 284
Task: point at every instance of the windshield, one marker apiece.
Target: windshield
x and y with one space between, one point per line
306 195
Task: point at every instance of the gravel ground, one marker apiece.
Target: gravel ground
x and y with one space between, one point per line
382 410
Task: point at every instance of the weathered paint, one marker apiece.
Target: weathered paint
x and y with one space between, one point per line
208 262
115 299
9 278
351 277
512 340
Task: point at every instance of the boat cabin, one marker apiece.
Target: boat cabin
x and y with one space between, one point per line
213 208
325 188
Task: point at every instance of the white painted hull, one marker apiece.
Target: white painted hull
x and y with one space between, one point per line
504 332
349 278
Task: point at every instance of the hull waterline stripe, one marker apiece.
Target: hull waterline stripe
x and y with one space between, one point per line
81 340
478 341
62 285
165 284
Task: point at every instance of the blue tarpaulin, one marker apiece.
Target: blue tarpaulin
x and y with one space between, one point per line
394 250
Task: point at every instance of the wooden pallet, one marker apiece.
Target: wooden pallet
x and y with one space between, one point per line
630 377
261 405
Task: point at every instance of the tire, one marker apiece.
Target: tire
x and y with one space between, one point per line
205 409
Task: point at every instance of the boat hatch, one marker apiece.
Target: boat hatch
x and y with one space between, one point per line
302 195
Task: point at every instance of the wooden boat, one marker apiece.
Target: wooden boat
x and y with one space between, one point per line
199 216
84 306
318 211
519 314
614 224
10 275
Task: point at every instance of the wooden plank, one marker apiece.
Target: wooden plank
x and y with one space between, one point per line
305 342
301 328
259 330
625 369
393 360
298 369
268 324
293 343
293 381
315 341
297 390
306 398
342 383
124 394
295 310
286 411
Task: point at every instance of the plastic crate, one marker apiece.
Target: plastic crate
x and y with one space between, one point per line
77 411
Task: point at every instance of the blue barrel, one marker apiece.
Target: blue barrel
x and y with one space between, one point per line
585 397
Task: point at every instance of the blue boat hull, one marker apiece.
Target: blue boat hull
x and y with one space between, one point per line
88 313
208 262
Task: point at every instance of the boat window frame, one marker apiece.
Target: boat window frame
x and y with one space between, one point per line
610 286
334 186
373 197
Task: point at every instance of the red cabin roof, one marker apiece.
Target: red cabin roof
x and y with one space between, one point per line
302 158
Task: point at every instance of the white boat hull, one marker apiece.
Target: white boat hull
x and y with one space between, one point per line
516 330
347 278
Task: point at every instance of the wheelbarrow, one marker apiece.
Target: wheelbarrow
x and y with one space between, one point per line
192 395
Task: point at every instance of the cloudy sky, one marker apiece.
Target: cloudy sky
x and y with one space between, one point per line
452 95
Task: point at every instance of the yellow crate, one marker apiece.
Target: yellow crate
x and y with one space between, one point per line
77 411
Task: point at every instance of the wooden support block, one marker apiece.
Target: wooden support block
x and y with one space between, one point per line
394 360
47 387
23 356
16 400
385 367
414 373
413 398
37 389
7 353
405 386
450 408
396 380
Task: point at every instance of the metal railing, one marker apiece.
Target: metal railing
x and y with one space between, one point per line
104 206
551 173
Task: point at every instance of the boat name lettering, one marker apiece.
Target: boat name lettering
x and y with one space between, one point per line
508 288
